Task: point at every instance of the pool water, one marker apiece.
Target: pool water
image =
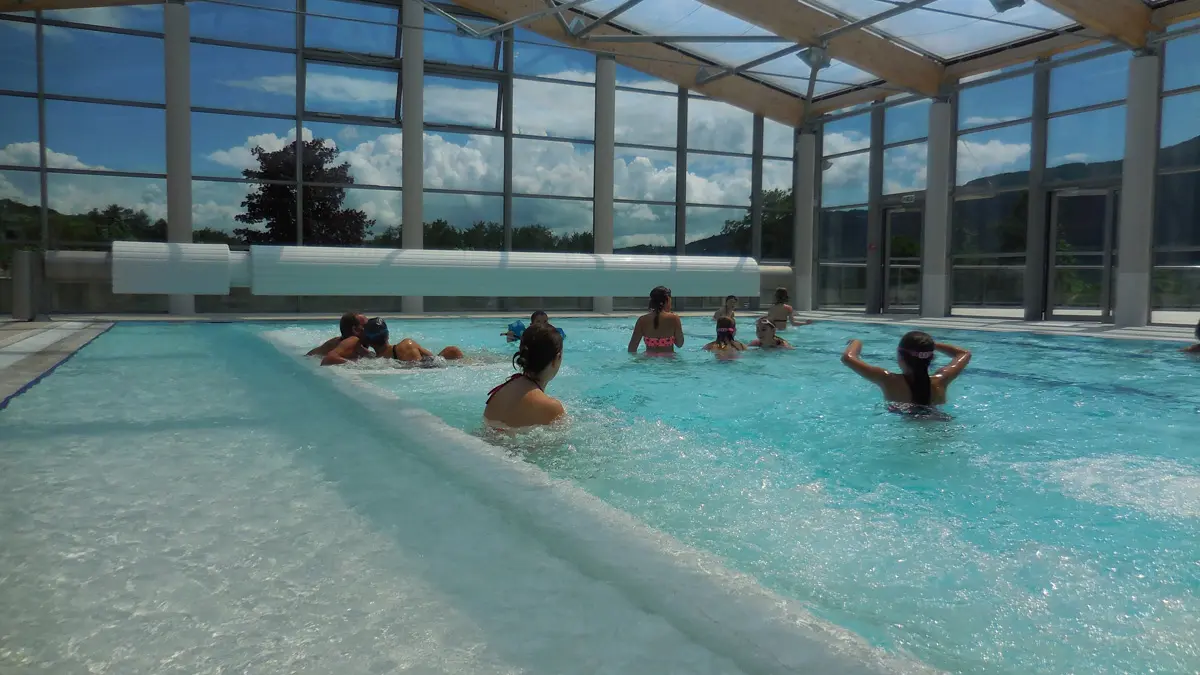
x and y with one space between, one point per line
1053 525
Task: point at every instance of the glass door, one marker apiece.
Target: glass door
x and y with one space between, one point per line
1083 244
902 260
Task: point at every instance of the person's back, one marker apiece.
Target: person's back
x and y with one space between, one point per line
661 329
914 385
522 401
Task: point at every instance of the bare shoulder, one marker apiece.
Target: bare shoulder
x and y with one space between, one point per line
549 409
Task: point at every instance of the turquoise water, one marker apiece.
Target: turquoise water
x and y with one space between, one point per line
1051 526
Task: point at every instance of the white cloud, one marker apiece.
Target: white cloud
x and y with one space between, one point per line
980 121
1072 158
977 159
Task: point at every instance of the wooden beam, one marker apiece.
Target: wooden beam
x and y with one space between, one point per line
1176 13
863 50
1058 44
1126 20
653 59
33 5
837 102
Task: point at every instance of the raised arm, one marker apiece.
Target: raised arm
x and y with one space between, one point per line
636 339
341 353
325 347
678 331
959 358
1194 349
851 358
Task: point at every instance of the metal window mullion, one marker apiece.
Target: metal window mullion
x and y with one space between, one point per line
1037 244
756 189
681 136
43 176
507 125
301 87
875 216
993 127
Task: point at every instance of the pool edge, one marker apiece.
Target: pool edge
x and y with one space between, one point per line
27 373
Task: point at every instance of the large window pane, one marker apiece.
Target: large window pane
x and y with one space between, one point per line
541 57
256 213
99 209
646 175
1002 101
844 180
337 216
906 122
363 155
778 140
134 17
1086 145
18 53
1182 65
224 145
1180 144
988 243
215 208
464 162
847 135
19 132
994 159
778 226
456 100
842 255
443 44
551 109
20 208
777 175
643 228
629 77
1177 209
552 168
351 36
243 79
647 119
717 179
105 65
243 24
718 231
112 137
561 225
465 222
904 168
1089 82
369 92
714 125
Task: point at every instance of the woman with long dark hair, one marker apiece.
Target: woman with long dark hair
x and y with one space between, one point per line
781 313
521 400
660 328
725 345
913 384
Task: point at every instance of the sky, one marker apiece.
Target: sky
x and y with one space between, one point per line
554 158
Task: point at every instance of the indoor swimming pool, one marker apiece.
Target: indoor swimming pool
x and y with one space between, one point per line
187 498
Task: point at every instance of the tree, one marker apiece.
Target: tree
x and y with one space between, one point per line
326 221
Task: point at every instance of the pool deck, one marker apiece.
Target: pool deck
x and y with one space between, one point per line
30 350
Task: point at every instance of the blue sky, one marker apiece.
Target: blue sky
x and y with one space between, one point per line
557 116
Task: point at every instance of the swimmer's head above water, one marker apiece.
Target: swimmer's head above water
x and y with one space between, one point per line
764 330
351 324
726 330
540 354
915 355
538 317
781 295
375 333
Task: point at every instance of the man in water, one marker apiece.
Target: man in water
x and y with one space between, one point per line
351 325
375 335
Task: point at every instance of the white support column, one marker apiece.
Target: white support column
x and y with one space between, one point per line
935 236
606 114
804 230
177 65
1136 225
412 75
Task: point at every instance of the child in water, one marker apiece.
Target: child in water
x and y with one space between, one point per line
517 328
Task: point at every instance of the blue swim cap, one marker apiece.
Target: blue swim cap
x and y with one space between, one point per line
517 328
561 332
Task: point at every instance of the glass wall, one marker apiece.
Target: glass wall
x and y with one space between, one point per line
645 167
720 144
842 225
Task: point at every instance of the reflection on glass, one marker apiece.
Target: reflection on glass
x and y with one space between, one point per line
779 140
904 168
647 175
906 122
988 244
718 179
456 100
902 241
643 228
988 282
847 135
215 208
1177 211
98 209
370 92
1180 141
18 53
646 119
777 175
841 285
347 153
541 57
1087 145
844 180
1181 64
778 226
552 109
1099 80
995 159
225 145
105 65
443 44
464 161
557 225
995 103
351 36
1175 286
134 17
552 168
718 231
20 209
338 216
715 125
244 24
463 222
19 132
842 256
628 77
243 79
105 137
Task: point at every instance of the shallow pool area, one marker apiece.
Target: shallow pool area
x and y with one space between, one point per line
201 498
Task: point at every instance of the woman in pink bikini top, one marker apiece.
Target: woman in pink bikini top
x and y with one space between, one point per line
661 329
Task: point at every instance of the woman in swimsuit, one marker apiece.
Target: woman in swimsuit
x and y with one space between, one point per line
521 401
376 335
913 385
660 328
727 309
725 346
764 330
781 314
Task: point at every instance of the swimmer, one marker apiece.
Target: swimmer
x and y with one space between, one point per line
781 314
727 310
376 335
913 385
1194 349
516 328
764 331
350 325
521 401
660 328
725 345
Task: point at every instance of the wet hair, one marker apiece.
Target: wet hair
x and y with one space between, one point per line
348 323
781 295
731 297
540 345
916 351
658 301
726 329
767 323
375 332
534 317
